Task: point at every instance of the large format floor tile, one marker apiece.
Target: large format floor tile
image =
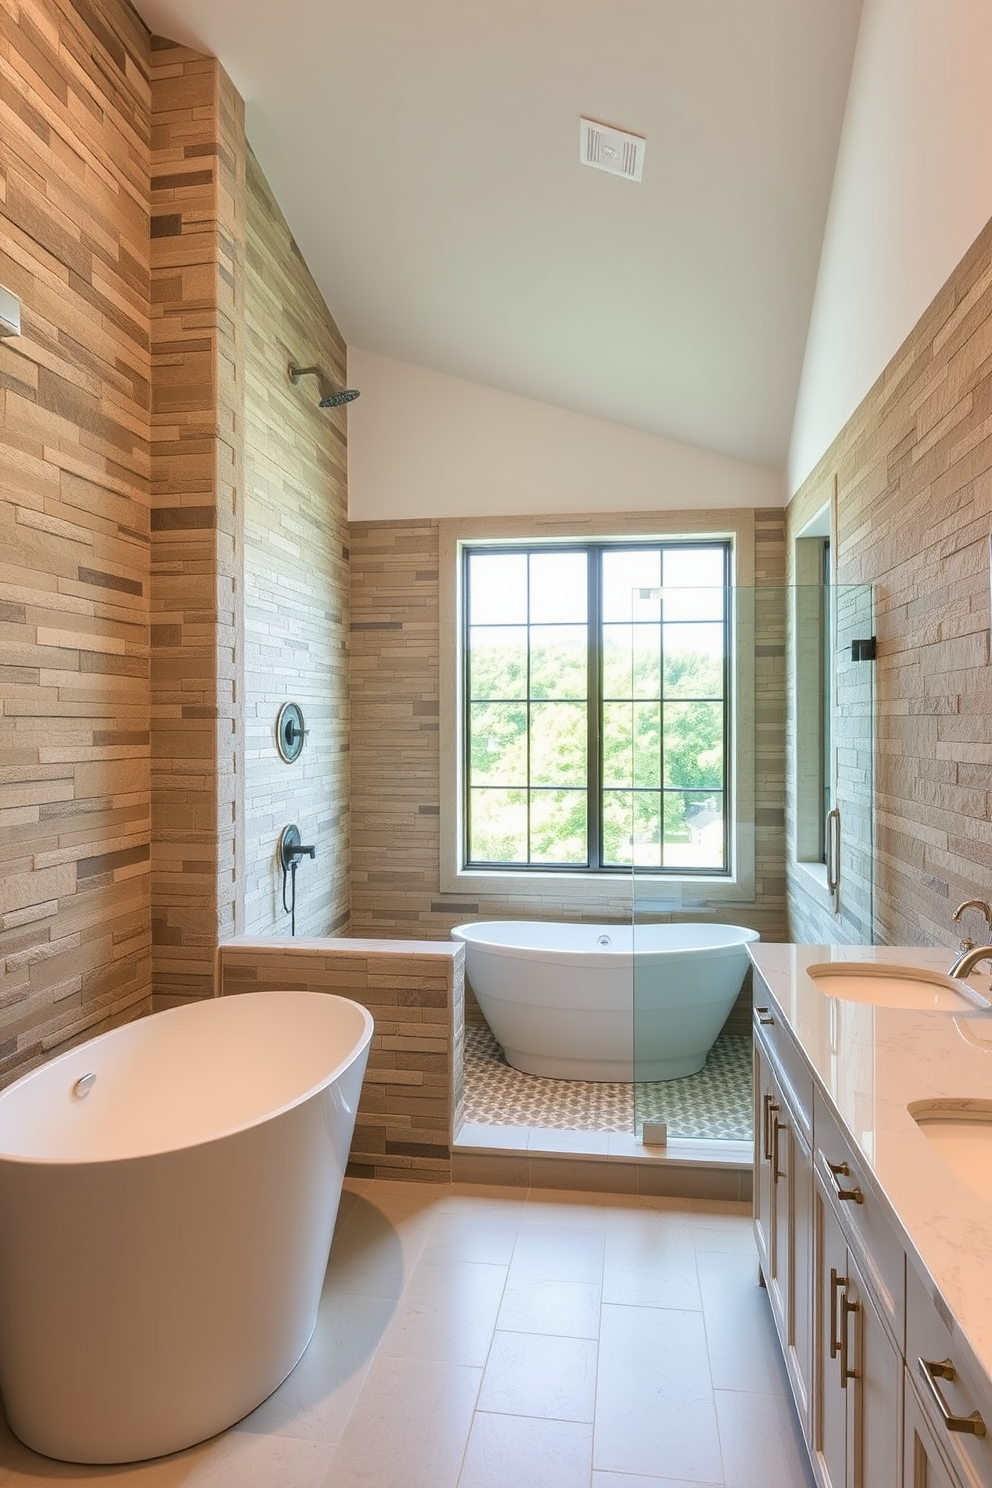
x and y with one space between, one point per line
655 1411
507 1451
474 1337
410 1426
762 1446
533 1374
740 1335
448 1313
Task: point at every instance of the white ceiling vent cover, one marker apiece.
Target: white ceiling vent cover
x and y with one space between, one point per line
611 150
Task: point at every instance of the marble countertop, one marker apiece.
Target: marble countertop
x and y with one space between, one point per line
873 1064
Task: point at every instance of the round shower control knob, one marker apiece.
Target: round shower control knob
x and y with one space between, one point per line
291 731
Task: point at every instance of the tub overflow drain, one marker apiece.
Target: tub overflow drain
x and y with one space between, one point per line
83 1085
604 940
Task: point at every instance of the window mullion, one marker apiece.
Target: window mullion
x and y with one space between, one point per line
662 736
594 710
529 705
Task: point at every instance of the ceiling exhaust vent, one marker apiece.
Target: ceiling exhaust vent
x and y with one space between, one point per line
611 150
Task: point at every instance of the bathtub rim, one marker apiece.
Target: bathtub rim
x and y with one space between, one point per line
354 1052
606 957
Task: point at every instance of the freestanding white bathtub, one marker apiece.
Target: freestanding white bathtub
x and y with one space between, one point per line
605 1002
167 1197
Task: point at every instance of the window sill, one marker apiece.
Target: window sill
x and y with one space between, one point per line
813 878
668 895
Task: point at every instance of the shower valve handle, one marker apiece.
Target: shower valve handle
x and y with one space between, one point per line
292 848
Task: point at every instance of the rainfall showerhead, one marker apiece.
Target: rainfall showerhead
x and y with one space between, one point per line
334 400
328 397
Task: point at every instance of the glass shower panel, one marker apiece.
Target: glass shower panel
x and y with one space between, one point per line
851 918
719 848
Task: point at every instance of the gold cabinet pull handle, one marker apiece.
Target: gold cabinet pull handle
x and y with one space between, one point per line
836 1283
777 1126
769 1107
846 1372
932 1370
839 1171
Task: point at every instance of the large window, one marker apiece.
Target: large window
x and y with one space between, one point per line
596 723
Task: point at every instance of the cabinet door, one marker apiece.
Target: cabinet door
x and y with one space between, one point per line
858 1370
783 1188
789 1289
923 1466
830 1411
781 1166
799 1352
763 1097
874 1389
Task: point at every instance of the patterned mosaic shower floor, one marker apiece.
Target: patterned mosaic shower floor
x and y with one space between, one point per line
716 1103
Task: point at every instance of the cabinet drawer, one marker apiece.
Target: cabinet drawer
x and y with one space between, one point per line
924 1464
866 1223
789 1066
952 1400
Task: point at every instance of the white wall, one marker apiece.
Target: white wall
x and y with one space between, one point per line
913 189
422 444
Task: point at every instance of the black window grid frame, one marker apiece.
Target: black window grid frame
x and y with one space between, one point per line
594 712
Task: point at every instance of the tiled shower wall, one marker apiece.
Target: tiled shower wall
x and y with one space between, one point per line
295 582
911 480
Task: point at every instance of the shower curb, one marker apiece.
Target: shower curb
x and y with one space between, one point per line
680 1171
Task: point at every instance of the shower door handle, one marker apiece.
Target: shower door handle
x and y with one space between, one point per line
833 853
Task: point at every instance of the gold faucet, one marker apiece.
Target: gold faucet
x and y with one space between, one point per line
970 954
969 959
974 904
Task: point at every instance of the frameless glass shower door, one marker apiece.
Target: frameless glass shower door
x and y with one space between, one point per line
746 780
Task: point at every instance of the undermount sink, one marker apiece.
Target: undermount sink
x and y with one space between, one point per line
960 1132
887 985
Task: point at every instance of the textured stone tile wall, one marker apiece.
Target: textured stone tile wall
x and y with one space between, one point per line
412 1096
122 509
912 472
198 232
295 581
74 525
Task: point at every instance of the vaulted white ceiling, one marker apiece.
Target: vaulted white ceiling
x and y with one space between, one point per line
426 155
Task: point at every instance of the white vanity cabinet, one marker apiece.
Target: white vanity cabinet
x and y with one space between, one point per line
834 1269
863 1238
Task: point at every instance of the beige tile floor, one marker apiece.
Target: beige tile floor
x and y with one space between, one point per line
492 1338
